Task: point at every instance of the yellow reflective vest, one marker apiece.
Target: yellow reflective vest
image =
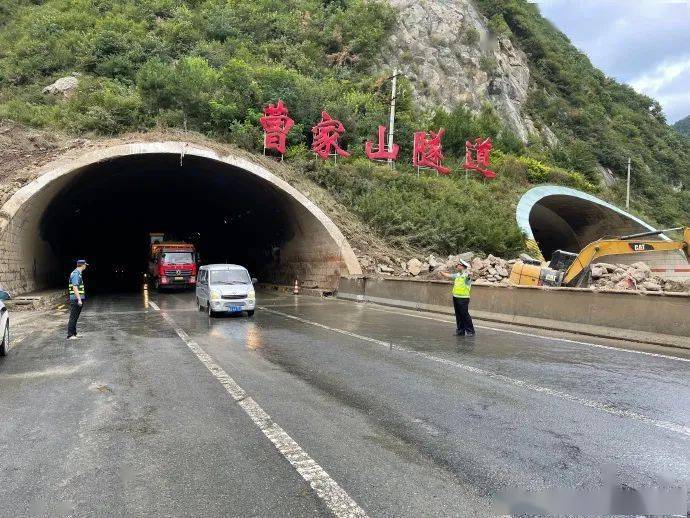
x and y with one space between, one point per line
462 286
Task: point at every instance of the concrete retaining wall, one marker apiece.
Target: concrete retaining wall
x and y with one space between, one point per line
667 314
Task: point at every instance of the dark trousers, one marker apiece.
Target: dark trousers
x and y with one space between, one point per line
74 312
462 315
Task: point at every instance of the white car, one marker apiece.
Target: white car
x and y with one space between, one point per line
225 288
4 324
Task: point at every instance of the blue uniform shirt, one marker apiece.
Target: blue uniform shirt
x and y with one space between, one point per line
75 279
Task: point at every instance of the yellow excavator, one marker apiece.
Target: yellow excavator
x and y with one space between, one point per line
574 270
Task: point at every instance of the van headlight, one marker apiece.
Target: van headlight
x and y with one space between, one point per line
251 294
215 295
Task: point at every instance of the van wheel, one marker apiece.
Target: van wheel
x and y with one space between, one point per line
5 344
250 313
209 311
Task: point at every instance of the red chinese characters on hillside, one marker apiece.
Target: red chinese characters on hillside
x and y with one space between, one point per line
427 147
478 156
381 153
276 125
326 135
427 151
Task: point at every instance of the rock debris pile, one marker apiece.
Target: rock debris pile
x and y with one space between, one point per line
495 271
637 276
490 269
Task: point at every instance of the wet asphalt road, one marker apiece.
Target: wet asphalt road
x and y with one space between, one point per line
406 418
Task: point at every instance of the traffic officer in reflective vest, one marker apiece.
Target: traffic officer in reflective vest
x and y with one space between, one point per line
462 286
76 298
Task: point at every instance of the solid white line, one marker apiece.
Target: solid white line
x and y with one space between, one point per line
335 497
532 335
666 425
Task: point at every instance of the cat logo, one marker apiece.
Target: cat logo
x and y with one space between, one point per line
641 247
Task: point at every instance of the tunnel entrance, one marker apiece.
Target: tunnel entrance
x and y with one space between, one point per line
559 218
104 208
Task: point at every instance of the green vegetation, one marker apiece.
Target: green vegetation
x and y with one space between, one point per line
683 126
596 119
211 65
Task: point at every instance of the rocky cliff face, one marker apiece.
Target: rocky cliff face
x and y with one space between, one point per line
445 49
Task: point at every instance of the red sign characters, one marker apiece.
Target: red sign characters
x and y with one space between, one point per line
276 125
326 135
482 156
381 152
427 151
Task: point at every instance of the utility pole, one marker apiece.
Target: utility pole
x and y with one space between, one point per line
627 192
391 120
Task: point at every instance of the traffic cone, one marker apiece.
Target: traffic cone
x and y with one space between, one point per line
295 290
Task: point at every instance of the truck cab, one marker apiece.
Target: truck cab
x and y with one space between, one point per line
173 265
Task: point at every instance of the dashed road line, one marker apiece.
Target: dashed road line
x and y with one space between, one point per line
533 335
334 496
610 409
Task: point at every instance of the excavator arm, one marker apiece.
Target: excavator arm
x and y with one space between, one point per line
621 246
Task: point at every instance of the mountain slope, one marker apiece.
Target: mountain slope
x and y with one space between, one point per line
596 118
211 65
683 126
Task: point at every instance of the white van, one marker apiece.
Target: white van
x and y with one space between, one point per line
225 288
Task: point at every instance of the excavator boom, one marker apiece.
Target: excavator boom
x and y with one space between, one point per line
622 246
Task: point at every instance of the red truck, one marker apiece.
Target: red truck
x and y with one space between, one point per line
172 264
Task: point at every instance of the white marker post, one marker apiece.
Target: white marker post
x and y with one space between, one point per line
627 193
391 120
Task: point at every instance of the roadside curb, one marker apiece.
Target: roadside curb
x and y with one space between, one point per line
311 292
535 323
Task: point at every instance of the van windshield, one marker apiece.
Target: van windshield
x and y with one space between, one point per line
230 277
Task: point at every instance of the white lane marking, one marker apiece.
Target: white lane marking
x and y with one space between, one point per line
532 335
666 425
335 497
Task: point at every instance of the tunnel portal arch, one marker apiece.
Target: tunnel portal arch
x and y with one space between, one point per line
306 243
560 218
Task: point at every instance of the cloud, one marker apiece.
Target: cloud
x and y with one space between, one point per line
633 41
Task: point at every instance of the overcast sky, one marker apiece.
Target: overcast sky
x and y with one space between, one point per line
644 43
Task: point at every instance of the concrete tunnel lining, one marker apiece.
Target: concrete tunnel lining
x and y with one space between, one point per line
318 251
562 218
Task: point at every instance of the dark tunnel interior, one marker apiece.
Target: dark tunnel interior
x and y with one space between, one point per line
105 215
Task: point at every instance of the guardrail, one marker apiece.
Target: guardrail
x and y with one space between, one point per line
629 315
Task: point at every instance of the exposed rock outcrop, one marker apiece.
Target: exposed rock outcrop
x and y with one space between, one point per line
446 50
64 86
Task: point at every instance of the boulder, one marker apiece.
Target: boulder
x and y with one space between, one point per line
433 262
64 86
528 258
639 275
650 286
606 266
477 264
502 271
598 272
466 256
625 284
641 266
414 266
383 268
